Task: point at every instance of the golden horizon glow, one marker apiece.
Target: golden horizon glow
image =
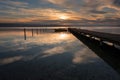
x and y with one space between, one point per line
63 17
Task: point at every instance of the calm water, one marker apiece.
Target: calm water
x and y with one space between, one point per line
48 55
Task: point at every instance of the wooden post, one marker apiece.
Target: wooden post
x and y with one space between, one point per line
32 32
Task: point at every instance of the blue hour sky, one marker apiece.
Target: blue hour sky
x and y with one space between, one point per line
51 10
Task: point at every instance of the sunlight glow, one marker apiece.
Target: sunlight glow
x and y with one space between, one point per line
63 36
63 17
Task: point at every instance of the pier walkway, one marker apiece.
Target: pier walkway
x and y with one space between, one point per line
112 38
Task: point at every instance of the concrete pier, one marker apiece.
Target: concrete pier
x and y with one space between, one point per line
112 38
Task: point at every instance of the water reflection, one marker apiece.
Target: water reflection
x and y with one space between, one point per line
49 55
39 31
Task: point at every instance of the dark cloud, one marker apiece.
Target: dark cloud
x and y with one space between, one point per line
97 12
107 9
117 2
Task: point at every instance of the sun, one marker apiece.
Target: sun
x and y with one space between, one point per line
63 17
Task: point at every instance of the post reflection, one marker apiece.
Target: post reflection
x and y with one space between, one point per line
25 34
39 31
32 32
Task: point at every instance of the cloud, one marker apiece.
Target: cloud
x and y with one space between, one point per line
36 14
14 3
60 2
98 12
117 3
19 11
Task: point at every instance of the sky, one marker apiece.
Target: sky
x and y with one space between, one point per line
37 11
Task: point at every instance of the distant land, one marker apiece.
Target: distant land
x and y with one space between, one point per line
55 25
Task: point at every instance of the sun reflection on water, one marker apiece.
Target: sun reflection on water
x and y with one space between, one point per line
63 36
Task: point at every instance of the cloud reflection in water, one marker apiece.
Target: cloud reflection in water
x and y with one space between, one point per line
58 55
10 59
49 44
